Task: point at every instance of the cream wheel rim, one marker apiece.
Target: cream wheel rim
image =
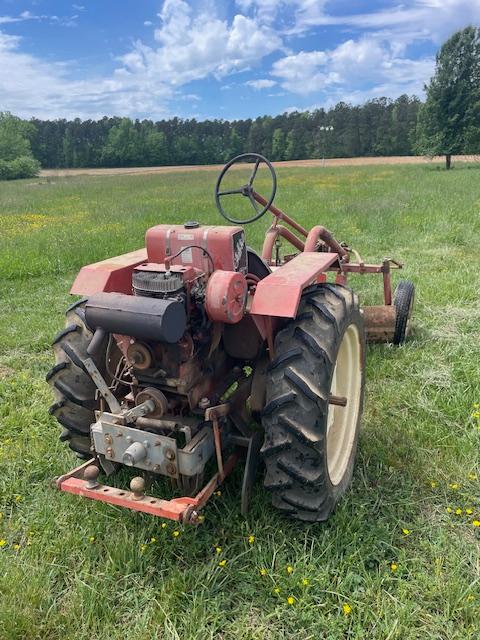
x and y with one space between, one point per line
342 421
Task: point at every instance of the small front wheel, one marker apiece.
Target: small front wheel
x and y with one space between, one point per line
403 300
314 401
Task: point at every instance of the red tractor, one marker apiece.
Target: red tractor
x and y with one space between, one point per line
194 353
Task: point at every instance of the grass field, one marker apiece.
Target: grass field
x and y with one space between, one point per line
400 557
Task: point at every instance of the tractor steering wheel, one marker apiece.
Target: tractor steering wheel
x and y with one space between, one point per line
247 189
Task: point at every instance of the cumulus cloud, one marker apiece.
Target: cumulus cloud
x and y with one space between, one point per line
31 87
192 41
192 46
189 46
367 65
262 83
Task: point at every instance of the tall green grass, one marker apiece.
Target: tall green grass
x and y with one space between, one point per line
70 568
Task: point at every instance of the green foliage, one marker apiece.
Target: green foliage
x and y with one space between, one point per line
15 135
22 167
379 127
278 145
449 121
83 570
16 159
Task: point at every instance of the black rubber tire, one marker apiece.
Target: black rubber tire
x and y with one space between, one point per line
73 388
296 412
403 300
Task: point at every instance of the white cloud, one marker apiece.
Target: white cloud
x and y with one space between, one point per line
31 87
261 83
366 67
148 23
193 46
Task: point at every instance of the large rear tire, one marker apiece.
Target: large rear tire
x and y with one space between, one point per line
73 388
310 444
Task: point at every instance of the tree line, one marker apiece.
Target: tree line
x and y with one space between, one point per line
447 123
380 127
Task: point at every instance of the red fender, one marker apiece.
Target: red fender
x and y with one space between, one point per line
279 294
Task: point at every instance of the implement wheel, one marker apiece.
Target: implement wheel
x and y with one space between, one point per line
73 388
310 443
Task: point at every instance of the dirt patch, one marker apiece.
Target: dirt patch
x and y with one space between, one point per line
333 162
6 372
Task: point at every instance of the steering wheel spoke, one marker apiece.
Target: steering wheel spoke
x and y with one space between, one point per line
254 172
230 192
246 190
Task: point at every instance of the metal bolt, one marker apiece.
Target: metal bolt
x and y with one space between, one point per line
108 438
171 469
157 468
91 474
204 403
109 452
146 444
170 454
128 438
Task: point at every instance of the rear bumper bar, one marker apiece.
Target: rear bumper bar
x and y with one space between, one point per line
184 509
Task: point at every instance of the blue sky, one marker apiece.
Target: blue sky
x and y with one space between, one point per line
216 59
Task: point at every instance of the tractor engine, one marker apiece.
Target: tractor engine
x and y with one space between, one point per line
165 359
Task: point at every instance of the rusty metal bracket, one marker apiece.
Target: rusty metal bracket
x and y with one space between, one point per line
213 414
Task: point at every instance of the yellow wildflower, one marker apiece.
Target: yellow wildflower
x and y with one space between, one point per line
453 485
406 532
16 547
251 539
153 540
472 476
276 590
476 523
164 525
394 567
175 533
18 498
201 518
433 484
222 563
458 512
305 582
218 550
263 572
449 509
290 600
347 608
469 512
470 597
91 539
3 542
217 493
143 547
289 570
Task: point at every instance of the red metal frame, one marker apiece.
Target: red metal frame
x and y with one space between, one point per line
183 509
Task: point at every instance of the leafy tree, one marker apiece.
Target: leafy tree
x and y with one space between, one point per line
448 121
16 159
14 137
278 145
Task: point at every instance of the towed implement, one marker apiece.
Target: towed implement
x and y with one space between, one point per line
195 354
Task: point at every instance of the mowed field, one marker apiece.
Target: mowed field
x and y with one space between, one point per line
399 559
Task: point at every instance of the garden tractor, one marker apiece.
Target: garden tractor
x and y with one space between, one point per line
196 354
